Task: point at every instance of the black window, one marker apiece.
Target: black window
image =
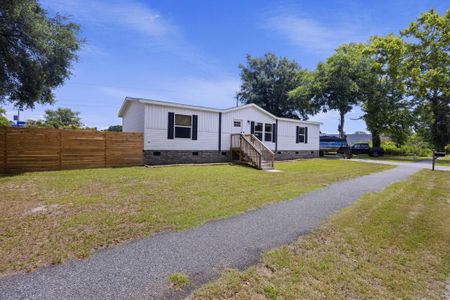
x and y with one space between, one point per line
301 134
237 123
268 132
259 131
183 126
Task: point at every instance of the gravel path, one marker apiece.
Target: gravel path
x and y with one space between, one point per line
139 269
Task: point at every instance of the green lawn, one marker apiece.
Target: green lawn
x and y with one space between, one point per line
389 245
48 217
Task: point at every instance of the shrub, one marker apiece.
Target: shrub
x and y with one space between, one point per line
410 148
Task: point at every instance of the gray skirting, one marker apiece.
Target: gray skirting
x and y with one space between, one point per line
288 155
168 157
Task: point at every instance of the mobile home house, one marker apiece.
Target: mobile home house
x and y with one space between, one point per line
179 133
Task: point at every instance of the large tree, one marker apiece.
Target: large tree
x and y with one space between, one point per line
36 52
337 80
60 118
304 94
385 104
3 120
266 82
428 61
117 128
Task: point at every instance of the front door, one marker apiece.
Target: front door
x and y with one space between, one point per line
237 126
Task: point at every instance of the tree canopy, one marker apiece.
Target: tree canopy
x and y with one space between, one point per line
386 108
428 61
117 128
266 82
3 120
36 52
338 81
59 118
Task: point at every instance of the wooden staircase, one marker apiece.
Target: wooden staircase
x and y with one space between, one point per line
250 150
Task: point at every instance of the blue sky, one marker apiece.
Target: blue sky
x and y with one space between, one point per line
189 51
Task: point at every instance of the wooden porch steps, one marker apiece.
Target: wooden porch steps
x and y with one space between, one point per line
250 150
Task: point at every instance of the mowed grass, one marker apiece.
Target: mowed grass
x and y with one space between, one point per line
389 245
48 217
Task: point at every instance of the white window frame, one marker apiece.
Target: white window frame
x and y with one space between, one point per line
182 126
303 135
270 132
260 131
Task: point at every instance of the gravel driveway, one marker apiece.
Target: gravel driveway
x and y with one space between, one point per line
139 269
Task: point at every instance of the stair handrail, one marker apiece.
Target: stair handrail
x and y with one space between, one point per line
253 147
261 143
250 143
266 152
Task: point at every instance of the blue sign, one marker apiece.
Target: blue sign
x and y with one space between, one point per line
16 117
19 124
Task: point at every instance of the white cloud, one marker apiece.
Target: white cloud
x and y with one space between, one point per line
161 34
141 18
215 92
131 14
313 36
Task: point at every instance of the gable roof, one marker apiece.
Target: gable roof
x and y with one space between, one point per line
129 100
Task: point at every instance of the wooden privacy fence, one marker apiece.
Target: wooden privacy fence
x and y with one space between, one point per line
42 149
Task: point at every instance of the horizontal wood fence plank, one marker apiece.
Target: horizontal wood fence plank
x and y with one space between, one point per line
41 149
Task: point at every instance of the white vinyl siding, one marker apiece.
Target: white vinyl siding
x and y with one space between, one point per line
247 115
287 131
152 119
133 119
156 122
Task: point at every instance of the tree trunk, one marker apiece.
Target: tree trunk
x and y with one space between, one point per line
440 125
376 140
341 124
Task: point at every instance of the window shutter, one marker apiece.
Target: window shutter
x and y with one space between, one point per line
306 135
297 133
252 127
274 133
194 127
171 121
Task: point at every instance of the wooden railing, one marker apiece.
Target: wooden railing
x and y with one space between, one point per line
235 141
249 149
266 154
250 146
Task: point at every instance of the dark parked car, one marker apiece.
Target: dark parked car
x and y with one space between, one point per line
364 148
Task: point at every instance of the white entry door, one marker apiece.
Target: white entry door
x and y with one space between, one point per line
237 126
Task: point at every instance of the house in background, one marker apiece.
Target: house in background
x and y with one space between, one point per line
179 133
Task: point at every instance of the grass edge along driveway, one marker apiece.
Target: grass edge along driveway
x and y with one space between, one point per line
48 217
388 245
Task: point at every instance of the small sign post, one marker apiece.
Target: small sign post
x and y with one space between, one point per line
437 154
